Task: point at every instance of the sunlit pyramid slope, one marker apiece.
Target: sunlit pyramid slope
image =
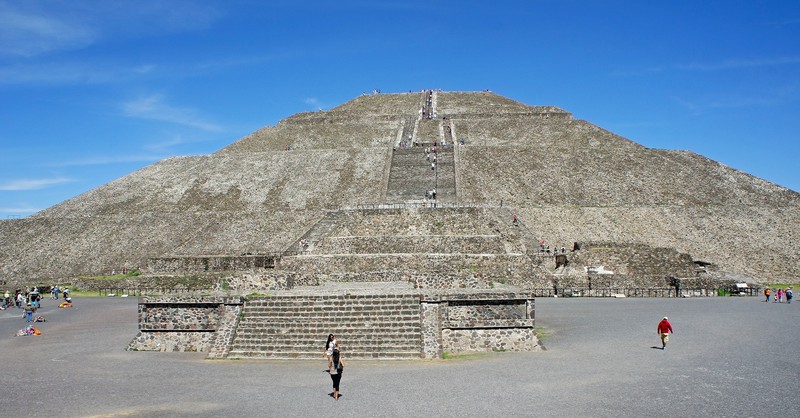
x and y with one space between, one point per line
569 180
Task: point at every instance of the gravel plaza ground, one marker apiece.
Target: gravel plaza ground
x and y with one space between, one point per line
728 357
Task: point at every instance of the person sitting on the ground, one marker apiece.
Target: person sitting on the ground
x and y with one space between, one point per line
66 304
29 330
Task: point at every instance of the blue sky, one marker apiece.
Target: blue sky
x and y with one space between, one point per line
93 90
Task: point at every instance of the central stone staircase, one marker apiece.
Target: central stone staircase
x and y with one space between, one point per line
411 175
367 326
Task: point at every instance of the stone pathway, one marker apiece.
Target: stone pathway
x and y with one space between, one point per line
728 357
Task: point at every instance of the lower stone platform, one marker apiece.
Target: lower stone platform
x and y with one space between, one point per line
387 322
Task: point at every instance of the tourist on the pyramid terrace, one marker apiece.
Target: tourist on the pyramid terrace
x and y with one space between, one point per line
664 329
67 303
767 293
66 293
6 299
789 295
779 296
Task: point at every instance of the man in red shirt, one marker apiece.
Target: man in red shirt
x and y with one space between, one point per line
664 329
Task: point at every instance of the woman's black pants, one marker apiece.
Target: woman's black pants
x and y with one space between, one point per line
336 379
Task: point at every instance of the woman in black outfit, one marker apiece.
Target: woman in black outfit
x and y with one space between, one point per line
336 370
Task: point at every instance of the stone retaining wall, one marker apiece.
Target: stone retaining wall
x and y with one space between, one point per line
636 260
184 324
491 266
166 265
479 322
450 323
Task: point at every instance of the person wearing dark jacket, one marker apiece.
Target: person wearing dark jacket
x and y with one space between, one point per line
29 310
664 329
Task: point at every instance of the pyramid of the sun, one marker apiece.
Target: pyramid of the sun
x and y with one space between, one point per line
567 180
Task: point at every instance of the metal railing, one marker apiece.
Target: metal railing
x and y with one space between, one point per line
148 291
657 292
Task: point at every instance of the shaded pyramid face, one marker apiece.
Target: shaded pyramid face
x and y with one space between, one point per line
567 179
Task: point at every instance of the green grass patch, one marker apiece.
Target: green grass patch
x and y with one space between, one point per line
542 333
461 356
775 286
83 294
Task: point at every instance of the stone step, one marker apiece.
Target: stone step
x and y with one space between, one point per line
342 304
381 308
310 336
370 309
366 353
337 302
333 296
311 339
317 355
294 326
345 304
282 328
305 316
356 322
289 346
300 312
314 333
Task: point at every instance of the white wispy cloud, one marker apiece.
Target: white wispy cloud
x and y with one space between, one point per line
154 107
72 73
29 30
33 184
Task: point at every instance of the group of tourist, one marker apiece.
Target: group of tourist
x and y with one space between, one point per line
779 296
545 249
55 291
427 109
431 156
29 300
21 298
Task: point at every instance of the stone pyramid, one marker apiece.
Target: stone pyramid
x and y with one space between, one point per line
283 191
